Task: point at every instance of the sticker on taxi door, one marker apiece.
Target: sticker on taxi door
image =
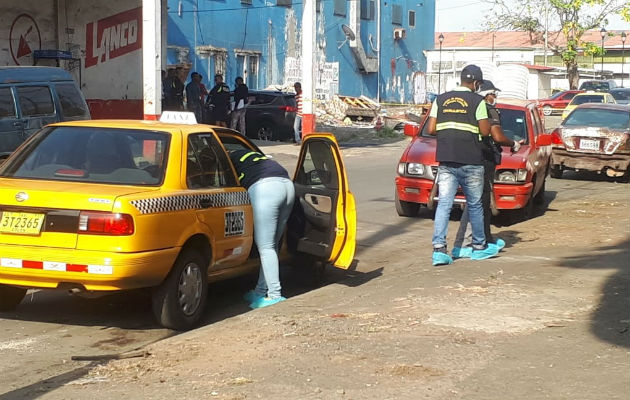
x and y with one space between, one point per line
234 223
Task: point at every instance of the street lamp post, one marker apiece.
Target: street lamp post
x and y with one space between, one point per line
623 47
603 33
441 39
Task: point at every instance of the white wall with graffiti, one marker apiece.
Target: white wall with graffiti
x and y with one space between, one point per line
102 38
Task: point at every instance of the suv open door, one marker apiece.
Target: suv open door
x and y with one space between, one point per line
323 223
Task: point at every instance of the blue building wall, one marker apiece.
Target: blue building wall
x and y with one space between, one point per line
272 33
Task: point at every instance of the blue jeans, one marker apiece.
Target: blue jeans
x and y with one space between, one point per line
272 202
297 129
449 178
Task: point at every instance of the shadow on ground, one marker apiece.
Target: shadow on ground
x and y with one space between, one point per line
610 321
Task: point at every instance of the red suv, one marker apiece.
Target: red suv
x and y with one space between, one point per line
519 181
558 101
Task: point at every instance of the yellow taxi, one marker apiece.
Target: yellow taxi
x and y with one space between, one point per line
107 205
587 97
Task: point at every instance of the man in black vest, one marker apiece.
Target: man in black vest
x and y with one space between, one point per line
459 118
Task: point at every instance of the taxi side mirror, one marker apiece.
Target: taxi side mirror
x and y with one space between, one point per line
543 140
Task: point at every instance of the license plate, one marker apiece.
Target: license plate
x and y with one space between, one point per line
21 223
588 144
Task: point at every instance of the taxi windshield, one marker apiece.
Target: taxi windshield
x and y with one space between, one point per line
95 155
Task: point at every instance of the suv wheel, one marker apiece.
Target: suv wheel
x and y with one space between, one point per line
405 208
265 131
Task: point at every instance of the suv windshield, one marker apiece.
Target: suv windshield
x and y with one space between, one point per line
95 155
598 117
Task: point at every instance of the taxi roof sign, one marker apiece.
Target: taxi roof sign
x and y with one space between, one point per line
179 117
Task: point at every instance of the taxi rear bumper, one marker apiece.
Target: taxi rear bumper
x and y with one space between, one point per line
43 267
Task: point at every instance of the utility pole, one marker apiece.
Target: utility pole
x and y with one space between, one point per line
308 77
152 58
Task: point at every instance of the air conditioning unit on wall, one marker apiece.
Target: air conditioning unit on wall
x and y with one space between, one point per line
399 33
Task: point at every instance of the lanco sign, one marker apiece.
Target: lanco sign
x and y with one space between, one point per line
113 37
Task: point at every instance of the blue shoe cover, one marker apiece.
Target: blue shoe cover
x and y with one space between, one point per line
500 243
490 251
440 258
461 252
265 302
250 296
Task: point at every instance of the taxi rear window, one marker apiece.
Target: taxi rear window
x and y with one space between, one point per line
95 155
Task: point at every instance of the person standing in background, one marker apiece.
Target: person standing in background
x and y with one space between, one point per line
297 124
193 96
173 91
219 102
240 102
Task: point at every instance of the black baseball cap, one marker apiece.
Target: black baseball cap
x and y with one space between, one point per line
472 73
488 86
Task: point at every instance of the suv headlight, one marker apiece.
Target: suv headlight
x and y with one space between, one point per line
415 170
511 176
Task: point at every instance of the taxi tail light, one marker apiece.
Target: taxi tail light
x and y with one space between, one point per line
105 223
555 137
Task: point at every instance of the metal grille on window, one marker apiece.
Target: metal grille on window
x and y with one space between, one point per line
397 14
367 9
220 62
252 76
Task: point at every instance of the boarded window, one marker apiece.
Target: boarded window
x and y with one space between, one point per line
412 19
340 8
397 14
367 9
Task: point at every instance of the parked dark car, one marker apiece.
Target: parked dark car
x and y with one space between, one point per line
602 85
593 137
621 95
270 115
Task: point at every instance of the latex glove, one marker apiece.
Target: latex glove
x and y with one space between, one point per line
516 146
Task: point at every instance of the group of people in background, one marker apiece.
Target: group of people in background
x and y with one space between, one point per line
211 107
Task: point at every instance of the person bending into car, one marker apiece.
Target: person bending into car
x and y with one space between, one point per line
459 119
491 158
272 195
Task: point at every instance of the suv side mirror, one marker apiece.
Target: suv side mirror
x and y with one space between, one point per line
543 140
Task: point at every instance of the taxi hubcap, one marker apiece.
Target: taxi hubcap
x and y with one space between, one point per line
190 288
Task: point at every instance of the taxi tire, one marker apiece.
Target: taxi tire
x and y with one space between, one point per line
10 297
165 301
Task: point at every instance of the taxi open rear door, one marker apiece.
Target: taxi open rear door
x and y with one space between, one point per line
323 223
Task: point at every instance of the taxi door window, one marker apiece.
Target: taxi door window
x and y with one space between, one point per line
319 169
207 165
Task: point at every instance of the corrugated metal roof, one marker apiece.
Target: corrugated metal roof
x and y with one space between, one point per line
514 39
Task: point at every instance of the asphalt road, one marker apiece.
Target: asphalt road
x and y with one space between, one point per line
38 340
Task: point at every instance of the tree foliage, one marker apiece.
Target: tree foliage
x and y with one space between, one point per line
565 21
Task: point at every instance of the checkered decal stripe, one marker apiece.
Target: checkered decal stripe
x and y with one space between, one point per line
190 202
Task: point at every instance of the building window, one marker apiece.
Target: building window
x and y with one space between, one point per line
340 8
397 14
246 2
318 6
412 19
284 3
252 73
220 63
367 9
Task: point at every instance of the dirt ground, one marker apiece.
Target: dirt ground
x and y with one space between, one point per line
548 319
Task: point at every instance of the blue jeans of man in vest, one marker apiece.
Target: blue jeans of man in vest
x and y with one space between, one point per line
449 178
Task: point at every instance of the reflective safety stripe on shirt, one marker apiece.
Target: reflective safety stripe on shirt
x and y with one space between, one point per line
457 125
252 153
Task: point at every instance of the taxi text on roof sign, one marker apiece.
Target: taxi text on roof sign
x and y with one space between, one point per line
179 117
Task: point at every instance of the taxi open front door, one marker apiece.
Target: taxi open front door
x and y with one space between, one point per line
323 223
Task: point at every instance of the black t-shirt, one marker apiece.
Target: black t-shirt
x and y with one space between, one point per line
220 95
252 166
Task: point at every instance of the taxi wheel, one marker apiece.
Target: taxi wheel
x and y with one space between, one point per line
405 208
10 297
180 301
